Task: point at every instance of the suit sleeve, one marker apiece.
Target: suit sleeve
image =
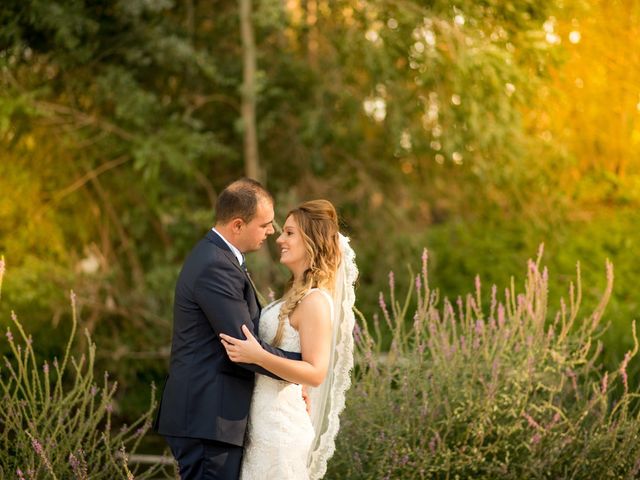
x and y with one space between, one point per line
219 292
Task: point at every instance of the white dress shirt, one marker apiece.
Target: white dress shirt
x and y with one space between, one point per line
235 251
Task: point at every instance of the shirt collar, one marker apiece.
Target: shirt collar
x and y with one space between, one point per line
235 251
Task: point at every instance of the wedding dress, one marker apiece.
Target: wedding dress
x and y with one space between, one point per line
280 432
282 440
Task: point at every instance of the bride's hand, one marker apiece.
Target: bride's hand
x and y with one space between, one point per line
242 351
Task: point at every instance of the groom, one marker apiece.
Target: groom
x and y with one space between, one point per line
206 399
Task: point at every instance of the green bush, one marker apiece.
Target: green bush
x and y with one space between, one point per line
506 390
55 420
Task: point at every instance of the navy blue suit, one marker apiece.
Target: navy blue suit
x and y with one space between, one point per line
206 396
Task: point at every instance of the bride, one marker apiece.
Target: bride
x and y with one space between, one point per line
315 318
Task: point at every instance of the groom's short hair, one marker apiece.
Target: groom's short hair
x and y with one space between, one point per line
240 199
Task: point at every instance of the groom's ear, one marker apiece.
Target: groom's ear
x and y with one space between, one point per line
237 224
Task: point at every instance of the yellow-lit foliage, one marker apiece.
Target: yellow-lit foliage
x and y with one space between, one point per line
592 105
30 172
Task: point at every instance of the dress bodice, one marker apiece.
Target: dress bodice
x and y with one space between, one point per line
269 324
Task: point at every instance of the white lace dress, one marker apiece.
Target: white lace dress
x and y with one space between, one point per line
280 433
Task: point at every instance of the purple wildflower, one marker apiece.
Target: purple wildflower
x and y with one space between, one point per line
392 280
383 306
109 407
356 332
37 446
450 311
463 344
381 302
9 335
500 315
73 461
45 368
532 423
425 258
418 283
605 382
623 371
521 300
433 443
93 390
20 474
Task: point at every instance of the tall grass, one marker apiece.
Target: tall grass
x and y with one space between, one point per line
55 418
507 389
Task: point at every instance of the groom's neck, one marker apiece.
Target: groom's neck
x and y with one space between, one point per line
228 234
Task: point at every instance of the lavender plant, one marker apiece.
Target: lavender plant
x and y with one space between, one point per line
55 419
507 390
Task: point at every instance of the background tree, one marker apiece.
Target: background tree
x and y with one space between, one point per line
455 125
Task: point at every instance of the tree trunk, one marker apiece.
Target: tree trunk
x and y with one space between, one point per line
252 162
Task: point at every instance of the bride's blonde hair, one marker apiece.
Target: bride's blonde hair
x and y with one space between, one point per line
318 224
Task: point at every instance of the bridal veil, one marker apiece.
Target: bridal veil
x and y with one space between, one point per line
328 399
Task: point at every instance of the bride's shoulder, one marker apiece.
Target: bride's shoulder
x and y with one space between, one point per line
316 297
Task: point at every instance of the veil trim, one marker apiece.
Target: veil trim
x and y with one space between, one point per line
330 396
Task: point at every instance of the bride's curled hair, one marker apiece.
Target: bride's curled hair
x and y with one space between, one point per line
318 224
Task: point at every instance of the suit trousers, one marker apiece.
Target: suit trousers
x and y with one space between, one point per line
201 459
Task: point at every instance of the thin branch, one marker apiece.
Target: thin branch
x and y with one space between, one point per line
79 183
134 262
85 119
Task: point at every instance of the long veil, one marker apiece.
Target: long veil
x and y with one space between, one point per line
328 399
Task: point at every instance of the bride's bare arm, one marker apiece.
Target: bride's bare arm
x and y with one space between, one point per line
312 316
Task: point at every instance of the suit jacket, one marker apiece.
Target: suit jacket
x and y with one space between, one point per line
206 395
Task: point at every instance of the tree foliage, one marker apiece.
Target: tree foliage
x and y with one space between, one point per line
449 124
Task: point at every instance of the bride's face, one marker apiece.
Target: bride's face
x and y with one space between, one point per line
292 250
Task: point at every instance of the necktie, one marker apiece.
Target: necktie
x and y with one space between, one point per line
243 265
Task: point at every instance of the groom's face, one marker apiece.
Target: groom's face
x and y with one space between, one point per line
254 233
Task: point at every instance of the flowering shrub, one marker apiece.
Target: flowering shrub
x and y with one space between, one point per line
505 390
55 420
